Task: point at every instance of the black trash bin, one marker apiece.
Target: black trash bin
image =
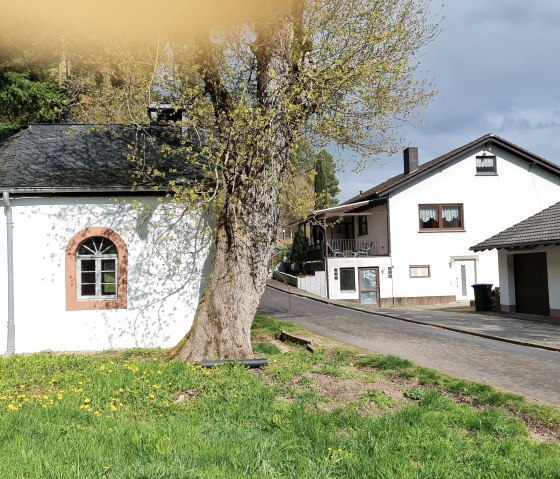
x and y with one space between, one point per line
483 296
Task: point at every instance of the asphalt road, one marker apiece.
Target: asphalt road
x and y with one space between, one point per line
524 370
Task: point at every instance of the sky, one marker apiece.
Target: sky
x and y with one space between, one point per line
496 68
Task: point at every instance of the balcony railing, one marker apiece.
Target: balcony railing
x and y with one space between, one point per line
355 248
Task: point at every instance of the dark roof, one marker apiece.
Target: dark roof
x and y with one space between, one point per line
46 158
489 139
539 230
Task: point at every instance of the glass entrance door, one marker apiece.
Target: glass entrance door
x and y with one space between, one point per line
369 285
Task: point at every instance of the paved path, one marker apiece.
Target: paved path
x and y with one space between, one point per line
525 370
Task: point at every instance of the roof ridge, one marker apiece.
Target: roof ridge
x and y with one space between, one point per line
397 180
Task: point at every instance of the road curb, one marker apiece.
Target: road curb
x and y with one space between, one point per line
407 320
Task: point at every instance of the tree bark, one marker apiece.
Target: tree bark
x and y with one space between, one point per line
247 225
222 324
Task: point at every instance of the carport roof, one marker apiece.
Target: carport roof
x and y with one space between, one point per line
541 229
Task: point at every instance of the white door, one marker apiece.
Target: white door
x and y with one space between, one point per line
465 277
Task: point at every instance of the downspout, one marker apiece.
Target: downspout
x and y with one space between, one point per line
325 239
11 343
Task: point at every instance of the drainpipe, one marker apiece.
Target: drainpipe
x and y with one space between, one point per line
325 240
11 345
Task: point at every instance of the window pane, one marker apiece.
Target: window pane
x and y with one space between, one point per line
108 265
429 217
368 279
109 249
485 164
88 278
451 216
362 225
419 271
88 289
369 298
108 278
347 280
108 289
88 265
98 246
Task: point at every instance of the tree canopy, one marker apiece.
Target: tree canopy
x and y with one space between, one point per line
28 92
326 72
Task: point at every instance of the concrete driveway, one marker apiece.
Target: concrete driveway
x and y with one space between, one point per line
525 370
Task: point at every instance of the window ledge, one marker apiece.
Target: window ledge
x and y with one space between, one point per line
486 174
442 231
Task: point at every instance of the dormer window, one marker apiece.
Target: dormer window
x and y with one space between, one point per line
486 165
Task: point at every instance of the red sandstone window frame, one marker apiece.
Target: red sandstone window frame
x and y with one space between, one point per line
72 301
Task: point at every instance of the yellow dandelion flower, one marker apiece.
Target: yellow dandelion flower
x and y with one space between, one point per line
12 407
114 408
87 400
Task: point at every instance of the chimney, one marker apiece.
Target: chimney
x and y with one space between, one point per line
162 114
410 155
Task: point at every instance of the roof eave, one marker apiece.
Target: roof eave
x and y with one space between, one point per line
535 244
80 189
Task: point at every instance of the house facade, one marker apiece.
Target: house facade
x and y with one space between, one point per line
96 259
406 241
529 264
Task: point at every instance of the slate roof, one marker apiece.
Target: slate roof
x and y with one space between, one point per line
541 229
59 158
426 168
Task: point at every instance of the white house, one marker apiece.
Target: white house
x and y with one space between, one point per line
529 264
94 257
406 241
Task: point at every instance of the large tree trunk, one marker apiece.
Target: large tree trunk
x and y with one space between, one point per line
247 225
222 325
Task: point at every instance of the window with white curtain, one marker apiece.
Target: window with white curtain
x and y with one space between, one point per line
420 271
486 165
441 217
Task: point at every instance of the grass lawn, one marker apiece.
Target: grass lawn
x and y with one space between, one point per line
333 413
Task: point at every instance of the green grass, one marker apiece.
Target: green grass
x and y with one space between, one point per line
135 415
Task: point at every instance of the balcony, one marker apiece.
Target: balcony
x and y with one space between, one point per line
352 248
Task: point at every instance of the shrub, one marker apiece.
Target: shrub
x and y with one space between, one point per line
300 248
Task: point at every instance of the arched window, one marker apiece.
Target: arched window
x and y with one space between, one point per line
96 270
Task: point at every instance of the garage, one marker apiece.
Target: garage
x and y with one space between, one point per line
529 264
531 283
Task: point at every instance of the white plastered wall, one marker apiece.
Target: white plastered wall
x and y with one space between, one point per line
491 204
381 262
167 258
